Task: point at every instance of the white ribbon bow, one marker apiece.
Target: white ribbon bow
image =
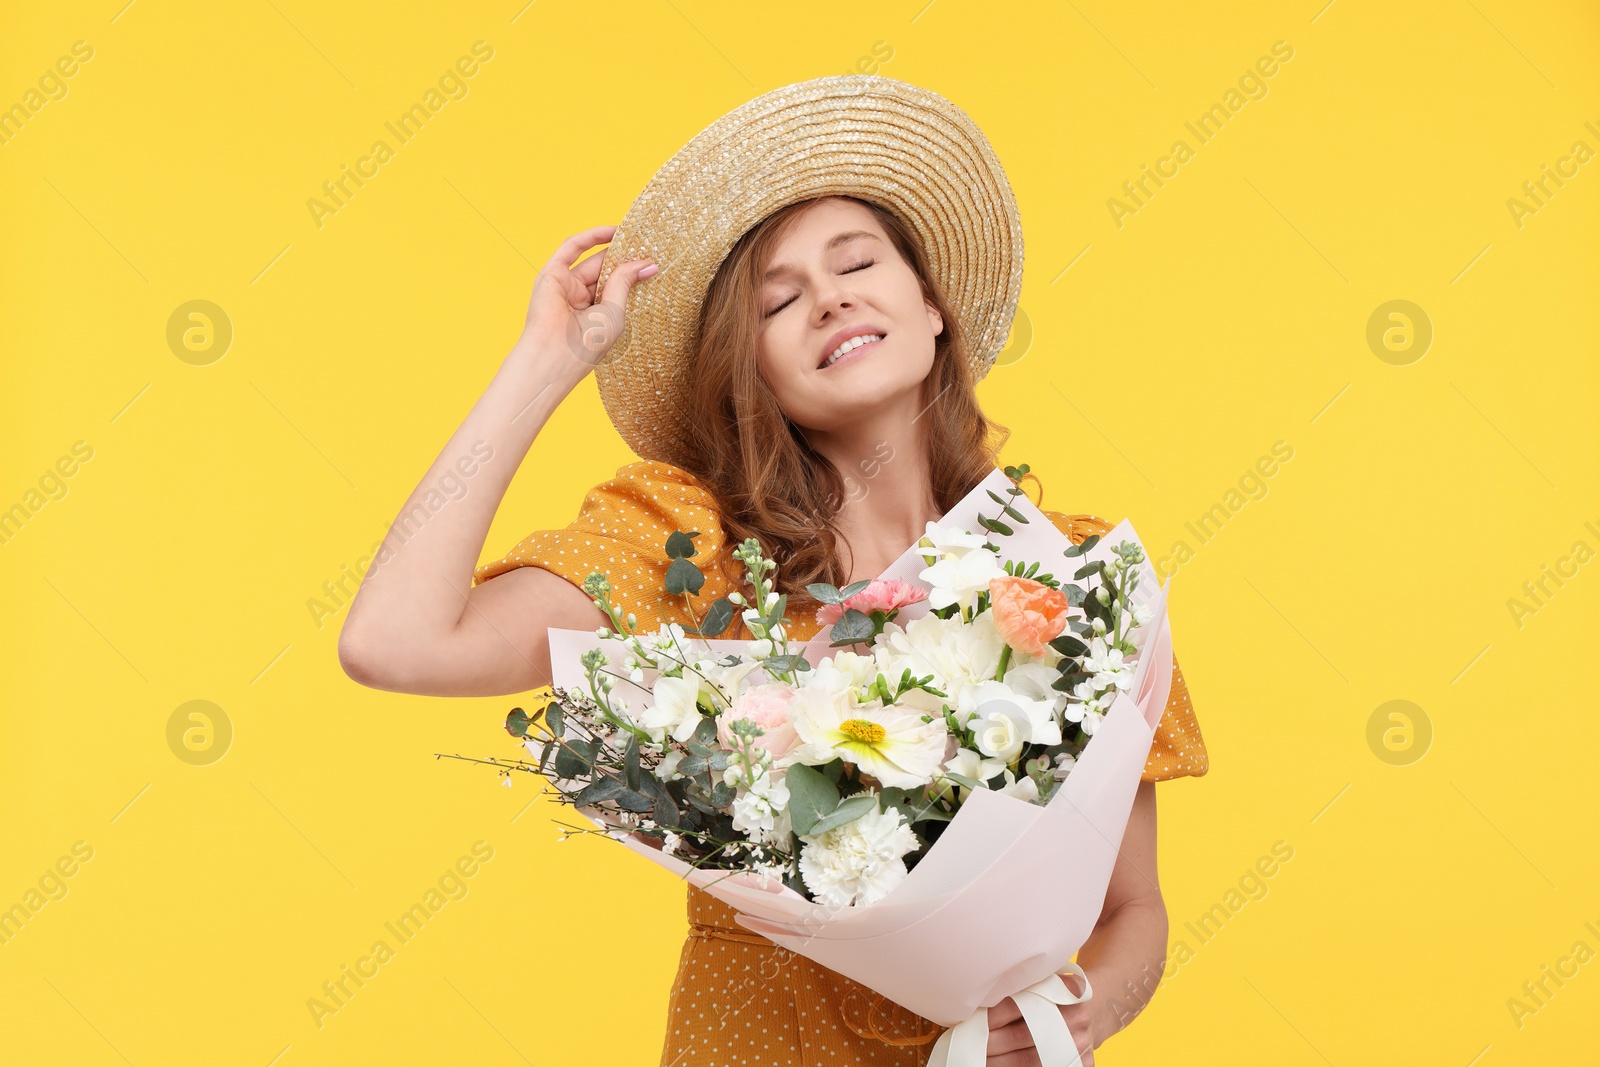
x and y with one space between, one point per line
967 1043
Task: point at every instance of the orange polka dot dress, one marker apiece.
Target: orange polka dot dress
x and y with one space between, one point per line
738 998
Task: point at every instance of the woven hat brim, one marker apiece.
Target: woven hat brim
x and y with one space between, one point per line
863 135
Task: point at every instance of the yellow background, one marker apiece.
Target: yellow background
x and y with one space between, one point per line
1228 313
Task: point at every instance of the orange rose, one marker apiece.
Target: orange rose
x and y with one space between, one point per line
1027 613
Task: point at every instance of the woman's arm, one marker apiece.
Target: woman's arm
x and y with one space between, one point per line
1123 957
1127 951
417 624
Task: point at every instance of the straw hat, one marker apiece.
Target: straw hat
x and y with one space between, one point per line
862 135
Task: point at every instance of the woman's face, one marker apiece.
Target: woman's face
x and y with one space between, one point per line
836 273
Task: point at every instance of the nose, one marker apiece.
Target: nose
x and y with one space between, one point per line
834 300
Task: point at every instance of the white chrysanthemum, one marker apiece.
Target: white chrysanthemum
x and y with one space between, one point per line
859 862
845 668
956 653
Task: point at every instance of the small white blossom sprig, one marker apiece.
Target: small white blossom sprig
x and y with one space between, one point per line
1099 657
769 637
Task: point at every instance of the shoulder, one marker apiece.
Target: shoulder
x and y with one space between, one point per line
653 477
1078 525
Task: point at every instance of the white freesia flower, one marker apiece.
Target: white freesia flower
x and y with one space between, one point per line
999 729
731 681
1141 614
1024 788
859 862
989 705
940 541
970 764
1036 680
959 579
674 707
893 745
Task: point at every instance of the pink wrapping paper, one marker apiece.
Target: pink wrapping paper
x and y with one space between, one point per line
1011 890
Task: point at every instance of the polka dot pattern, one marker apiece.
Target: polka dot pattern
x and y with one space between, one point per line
739 998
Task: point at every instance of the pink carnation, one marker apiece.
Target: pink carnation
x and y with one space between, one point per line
884 594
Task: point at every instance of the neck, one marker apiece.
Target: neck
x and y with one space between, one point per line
888 491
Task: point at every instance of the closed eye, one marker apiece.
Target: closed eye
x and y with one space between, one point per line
848 270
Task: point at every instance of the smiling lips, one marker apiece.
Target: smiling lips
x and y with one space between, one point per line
848 349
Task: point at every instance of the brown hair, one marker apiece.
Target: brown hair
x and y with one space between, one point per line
768 482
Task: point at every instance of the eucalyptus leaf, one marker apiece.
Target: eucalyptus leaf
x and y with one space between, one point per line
717 618
630 762
683 576
994 524
848 809
574 759
824 593
1092 567
680 544
599 791
517 723
1082 546
853 626
811 796
1068 645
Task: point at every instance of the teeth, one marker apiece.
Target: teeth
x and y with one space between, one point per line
854 342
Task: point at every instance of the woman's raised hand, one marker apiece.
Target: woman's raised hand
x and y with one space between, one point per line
562 313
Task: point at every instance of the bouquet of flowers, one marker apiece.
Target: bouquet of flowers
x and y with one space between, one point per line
928 749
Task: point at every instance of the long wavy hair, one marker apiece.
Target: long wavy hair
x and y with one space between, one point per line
768 482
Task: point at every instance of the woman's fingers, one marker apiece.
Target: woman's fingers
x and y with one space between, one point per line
1003 1013
568 251
1011 1037
588 272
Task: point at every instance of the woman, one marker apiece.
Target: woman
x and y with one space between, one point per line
831 413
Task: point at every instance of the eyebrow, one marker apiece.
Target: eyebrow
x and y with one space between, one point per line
834 242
